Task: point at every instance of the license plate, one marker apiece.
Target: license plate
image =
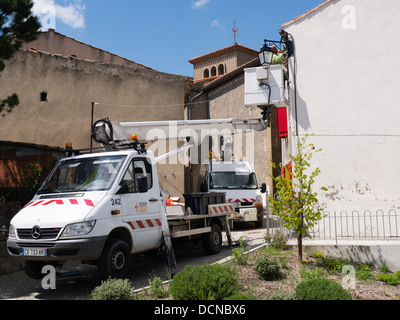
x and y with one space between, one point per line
34 252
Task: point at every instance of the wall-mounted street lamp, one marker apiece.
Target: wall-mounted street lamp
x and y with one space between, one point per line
265 55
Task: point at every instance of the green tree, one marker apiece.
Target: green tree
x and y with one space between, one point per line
295 203
17 24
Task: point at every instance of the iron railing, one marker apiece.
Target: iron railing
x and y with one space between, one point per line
347 225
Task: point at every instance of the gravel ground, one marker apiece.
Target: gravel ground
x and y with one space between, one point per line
364 289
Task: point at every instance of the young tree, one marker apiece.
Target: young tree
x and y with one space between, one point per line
17 24
296 204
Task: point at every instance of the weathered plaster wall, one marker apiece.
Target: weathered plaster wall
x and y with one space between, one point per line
124 94
53 42
346 97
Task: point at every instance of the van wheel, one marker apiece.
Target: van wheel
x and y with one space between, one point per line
33 269
115 261
259 222
212 241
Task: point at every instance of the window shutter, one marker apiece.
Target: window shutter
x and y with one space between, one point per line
281 122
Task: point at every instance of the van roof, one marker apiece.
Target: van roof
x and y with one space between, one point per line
107 153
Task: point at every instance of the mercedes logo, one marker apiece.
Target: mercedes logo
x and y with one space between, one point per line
36 232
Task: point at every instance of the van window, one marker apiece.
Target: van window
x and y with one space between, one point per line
233 180
83 174
139 167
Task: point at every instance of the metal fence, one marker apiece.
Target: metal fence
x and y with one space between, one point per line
344 225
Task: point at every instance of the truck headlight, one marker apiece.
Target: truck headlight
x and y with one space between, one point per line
78 229
11 232
258 202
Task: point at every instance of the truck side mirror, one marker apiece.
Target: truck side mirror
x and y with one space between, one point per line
263 188
142 184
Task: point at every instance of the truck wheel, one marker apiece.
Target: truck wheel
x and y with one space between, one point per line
33 269
115 260
212 241
259 221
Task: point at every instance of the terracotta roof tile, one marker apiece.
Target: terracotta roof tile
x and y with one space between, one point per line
222 51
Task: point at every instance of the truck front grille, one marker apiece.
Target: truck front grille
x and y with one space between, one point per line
246 204
45 233
36 245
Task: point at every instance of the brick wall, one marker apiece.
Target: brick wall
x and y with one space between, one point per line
15 161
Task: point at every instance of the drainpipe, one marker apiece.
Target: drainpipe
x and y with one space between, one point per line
191 104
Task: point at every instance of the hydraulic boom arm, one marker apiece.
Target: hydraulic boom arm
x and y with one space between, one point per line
150 130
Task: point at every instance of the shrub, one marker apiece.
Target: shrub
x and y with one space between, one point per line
281 295
336 265
195 281
321 289
364 273
389 278
310 273
277 241
268 268
241 296
318 254
206 295
384 269
156 289
239 256
113 289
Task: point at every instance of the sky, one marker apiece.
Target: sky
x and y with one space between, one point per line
165 34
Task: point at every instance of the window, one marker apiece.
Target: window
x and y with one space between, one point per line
233 180
139 167
43 96
221 69
206 73
213 71
86 174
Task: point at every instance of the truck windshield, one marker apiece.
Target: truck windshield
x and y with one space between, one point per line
85 174
233 180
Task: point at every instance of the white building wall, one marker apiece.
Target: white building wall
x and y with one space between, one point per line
348 81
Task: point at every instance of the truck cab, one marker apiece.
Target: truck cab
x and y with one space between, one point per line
239 181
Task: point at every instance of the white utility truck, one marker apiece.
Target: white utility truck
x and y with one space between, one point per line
238 180
104 206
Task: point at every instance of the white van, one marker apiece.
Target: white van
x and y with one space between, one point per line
239 181
101 208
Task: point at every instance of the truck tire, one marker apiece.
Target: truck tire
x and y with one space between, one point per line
115 261
259 222
33 269
212 241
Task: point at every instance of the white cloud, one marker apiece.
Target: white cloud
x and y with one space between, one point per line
215 23
49 12
200 4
